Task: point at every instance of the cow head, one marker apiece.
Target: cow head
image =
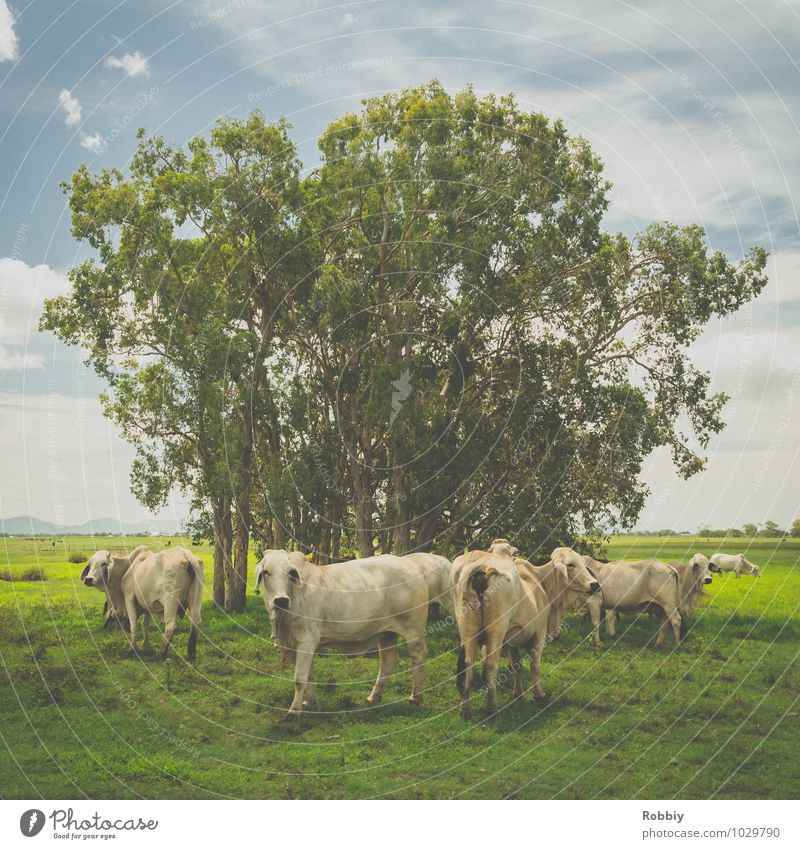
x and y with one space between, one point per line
579 578
712 565
278 574
503 546
701 569
749 568
95 573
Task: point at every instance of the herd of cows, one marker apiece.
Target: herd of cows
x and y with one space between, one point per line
501 604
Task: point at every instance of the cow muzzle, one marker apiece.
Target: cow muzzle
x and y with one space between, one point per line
281 602
88 581
707 579
594 587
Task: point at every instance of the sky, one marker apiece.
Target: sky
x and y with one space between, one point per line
693 108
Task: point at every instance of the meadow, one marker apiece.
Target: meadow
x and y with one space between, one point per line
716 717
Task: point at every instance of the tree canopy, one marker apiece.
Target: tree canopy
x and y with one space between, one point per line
425 341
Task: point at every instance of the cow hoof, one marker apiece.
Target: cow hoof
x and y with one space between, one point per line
191 658
465 714
415 700
373 700
291 715
540 696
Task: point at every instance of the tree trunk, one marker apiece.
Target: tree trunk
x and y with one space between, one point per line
223 542
402 530
364 506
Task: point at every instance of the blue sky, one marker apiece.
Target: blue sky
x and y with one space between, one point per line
693 107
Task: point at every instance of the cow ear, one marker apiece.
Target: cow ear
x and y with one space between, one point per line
259 576
85 572
297 559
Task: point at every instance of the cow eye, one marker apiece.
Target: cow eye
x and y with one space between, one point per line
265 574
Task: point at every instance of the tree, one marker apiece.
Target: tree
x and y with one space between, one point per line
771 529
750 529
427 341
179 309
795 531
490 358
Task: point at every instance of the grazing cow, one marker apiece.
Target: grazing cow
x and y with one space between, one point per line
587 604
105 572
354 607
693 576
168 583
507 604
636 587
736 563
437 575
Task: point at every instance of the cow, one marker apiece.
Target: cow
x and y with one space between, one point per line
736 563
436 570
636 587
693 576
169 583
587 604
105 572
354 607
506 604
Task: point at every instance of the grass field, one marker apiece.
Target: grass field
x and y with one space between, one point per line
718 717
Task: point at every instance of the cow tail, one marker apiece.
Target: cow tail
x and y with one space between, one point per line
461 670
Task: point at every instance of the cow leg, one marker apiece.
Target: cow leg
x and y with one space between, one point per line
491 667
303 669
536 668
595 612
146 630
611 623
133 615
311 688
387 650
675 619
470 650
170 623
662 629
516 668
418 650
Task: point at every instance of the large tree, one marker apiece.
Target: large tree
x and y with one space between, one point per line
427 341
196 252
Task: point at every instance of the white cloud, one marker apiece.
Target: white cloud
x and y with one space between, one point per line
23 289
348 20
9 43
93 142
71 107
134 64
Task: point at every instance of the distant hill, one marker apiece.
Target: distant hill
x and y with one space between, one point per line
31 526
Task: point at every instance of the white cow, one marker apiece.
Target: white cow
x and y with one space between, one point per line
736 563
169 583
693 576
507 604
437 575
105 572
354 607
636 587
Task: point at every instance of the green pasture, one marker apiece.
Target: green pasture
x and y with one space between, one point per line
717 717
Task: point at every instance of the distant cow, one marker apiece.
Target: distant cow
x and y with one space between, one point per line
736 563
636 587
508 604
169 583
354 607
105 572
437 575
